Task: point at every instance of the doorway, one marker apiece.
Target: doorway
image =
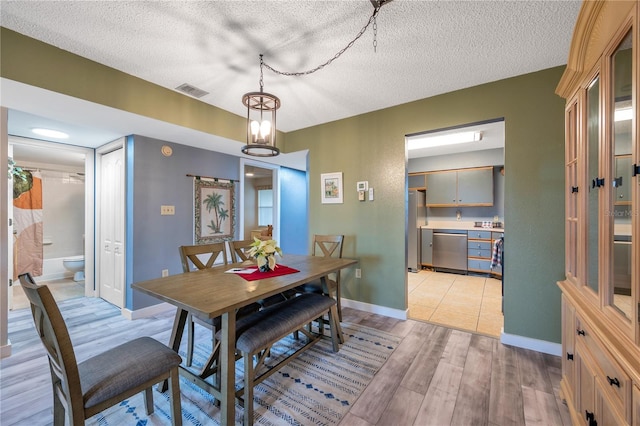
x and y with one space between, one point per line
259 204
66 215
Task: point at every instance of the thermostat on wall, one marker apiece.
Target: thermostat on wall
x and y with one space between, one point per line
363 185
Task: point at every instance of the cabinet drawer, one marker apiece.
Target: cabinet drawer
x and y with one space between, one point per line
615 382
481 235
478 245
479 253
479 265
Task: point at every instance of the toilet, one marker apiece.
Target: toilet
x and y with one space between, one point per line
75 264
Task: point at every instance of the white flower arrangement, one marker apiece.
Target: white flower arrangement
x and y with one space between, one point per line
265 251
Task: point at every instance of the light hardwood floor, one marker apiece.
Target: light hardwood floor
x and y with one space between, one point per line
465 302
436 376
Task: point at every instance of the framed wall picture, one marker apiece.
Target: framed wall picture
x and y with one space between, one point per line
214 211
331 188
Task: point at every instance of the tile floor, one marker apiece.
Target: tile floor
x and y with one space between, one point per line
466 302
62 289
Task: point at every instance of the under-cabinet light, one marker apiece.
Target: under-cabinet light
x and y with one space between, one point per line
427 141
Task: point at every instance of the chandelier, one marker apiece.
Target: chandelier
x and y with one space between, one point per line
262 106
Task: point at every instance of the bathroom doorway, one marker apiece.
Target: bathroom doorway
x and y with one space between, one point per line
56 244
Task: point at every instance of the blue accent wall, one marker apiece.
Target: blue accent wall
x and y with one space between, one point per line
153 240
294 217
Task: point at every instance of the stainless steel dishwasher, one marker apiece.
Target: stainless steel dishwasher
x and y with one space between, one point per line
450 249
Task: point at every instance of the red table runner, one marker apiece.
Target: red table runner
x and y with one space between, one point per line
257 275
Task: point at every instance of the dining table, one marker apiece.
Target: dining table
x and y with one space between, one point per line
220 292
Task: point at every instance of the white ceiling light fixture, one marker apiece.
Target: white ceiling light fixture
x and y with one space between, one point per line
262 106
49 133
427 141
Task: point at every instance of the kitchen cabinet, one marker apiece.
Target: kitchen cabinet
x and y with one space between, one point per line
462 187
417 181
480 250
601 288
427 247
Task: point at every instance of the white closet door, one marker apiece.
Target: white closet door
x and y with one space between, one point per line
112 228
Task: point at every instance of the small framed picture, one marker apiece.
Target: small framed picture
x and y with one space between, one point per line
331 184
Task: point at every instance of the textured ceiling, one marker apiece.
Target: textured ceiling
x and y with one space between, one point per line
424 48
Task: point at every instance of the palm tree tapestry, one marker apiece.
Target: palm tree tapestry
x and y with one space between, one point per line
214 211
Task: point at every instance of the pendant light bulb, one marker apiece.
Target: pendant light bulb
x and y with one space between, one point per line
265 129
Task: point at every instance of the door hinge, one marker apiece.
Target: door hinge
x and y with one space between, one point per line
574 189
597 183
569 356
638 312
10 282
635 170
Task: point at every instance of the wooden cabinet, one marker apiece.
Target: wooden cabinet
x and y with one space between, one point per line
463 187
601 290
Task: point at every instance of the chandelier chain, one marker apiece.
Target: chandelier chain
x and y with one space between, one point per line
336 56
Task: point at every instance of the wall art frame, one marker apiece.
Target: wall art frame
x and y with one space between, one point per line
214 212
331 188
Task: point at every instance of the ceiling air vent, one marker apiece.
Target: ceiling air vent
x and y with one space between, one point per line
191 91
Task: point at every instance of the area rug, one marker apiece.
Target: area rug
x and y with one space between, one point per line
316 388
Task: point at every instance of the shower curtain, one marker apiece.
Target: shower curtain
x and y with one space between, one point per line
27 217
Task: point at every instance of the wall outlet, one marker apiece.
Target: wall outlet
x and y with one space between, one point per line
165 272
358 273
167 210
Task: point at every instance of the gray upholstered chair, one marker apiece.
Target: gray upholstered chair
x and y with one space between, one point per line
201 257
328 246
81 390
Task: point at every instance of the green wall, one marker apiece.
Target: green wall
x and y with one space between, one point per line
371 147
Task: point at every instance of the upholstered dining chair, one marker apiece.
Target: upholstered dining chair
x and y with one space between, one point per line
327 246
81 390
204 256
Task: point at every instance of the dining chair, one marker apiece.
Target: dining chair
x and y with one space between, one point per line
327 246
196 257
82 390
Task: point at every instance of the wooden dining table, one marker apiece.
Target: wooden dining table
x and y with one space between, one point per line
215 292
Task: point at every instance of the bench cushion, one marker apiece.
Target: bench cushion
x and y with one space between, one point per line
271 324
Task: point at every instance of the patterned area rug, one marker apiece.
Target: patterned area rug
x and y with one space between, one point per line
316 388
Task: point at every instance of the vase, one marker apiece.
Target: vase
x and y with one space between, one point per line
264 268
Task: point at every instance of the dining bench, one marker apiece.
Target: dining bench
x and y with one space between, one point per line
258 332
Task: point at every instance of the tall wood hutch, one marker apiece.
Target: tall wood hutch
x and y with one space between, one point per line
601 291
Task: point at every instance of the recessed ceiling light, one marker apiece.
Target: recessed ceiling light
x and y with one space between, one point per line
50 133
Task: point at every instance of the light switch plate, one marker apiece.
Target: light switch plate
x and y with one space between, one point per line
363 185
167 210
370 194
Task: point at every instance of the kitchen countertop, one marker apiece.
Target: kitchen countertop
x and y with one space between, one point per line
467 226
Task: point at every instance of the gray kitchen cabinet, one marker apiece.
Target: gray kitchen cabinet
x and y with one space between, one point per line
463 187
442 188
475 187
622 181
417 181
427 247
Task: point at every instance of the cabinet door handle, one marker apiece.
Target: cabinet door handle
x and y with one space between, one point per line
617 182
591 418
635 170
613 382
580 332
569 356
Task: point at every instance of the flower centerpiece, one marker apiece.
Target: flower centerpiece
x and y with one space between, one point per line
265 251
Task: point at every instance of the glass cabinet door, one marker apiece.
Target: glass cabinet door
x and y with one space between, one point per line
594 182
619 287
571 178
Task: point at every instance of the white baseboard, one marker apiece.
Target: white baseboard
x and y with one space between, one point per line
375 309
532 344
148 311
5 350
